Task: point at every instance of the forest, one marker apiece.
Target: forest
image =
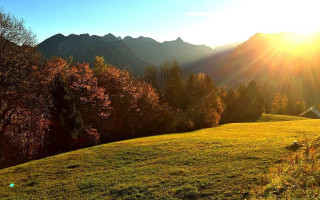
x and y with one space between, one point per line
50 106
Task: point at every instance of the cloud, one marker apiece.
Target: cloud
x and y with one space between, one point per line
200 13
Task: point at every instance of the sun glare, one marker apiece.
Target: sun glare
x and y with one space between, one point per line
247 17
302 17
276 16
296 43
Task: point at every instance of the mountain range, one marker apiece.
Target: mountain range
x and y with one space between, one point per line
84 48
128 53
156 53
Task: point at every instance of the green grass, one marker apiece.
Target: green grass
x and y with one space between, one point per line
297 177
276 118
216 163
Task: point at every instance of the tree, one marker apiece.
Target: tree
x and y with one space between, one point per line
66 121
13 31
250 103
23 93
295 107
78 105
174 85
244 105
135 105
99 66
230 101
151 76
279 104
202 106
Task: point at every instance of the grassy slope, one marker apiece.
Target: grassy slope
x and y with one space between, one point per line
275 118
222 162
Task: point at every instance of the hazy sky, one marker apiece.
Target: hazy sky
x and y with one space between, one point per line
210 22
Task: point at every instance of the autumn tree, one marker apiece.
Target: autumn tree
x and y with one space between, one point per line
23 93
192 103
78 103
135 104
100 66
279 104
202 105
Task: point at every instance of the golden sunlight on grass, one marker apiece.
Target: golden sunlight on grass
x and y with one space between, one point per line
224 162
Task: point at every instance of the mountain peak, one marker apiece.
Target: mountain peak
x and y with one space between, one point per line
113 37
179 39
110 35
110 38
146 39
85 35
59 35
127 38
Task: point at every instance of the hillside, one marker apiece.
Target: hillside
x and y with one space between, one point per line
290 60
223 162
156 53
278 118
84 48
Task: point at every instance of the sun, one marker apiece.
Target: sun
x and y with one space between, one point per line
295 43
296 22
298 38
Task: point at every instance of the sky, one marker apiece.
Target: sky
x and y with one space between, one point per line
210 22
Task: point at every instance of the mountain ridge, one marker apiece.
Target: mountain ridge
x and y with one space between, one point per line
156 52
127 53
84 48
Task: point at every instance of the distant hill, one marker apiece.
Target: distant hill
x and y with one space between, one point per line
156 53
282 62
128 53
85 47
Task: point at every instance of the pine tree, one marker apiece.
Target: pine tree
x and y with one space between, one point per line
250 103
66 123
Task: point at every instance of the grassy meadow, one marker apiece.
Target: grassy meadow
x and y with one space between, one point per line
224 162
277 118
